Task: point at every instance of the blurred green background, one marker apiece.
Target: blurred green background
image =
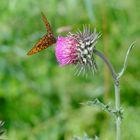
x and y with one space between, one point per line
40 100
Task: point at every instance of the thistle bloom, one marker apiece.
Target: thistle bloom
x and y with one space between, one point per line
78 49
66 50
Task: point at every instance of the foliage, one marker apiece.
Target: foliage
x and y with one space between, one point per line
1 130
85 137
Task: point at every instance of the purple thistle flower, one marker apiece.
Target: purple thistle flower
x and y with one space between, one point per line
66 50
78 49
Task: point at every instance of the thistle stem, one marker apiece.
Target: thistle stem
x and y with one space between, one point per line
117 92
117 106
109 65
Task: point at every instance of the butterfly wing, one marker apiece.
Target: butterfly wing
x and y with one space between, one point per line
46 40
48 27
43 43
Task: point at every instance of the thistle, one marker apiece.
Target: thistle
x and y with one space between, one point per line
78 49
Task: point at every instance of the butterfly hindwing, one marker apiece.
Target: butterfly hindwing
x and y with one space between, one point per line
42 44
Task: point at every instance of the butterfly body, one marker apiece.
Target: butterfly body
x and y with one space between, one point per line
47 40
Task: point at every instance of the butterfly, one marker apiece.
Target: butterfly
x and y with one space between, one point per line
47 40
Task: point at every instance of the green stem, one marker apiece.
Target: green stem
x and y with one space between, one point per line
109 65
116 78
117 92
117 106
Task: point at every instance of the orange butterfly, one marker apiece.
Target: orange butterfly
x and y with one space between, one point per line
47 40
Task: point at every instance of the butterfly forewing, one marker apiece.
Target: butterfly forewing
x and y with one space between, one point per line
45 41
48 27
